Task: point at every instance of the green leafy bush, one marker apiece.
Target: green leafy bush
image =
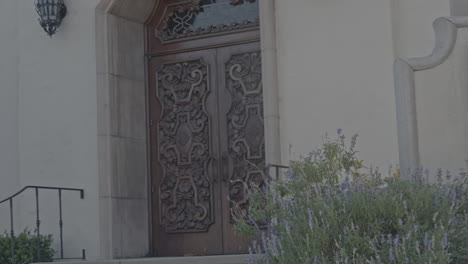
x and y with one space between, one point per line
327 210
26 248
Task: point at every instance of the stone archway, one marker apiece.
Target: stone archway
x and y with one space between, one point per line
122 122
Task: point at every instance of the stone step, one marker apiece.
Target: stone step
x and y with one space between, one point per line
227 259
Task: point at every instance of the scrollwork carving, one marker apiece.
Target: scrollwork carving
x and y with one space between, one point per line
178 22
186 196
245 130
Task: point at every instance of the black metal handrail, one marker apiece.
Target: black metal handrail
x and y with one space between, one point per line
278 169
38 221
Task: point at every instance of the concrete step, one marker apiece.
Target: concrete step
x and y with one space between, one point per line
230 259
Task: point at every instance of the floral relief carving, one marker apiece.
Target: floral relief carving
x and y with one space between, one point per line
246 143
179 19
186 197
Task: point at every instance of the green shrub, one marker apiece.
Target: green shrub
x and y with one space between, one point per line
26 248
327 210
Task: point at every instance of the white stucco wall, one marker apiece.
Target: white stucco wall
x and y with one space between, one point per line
8 104
335 71
441 107
49 137
335 62
57 122
412 25
459 7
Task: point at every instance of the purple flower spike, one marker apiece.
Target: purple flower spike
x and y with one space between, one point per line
390 255
315 260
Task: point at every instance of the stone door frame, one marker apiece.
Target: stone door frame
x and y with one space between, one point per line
122 120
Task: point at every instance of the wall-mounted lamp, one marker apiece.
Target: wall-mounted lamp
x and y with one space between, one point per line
51 13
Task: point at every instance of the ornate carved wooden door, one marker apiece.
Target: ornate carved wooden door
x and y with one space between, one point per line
207 147
206 133
242 144
184 147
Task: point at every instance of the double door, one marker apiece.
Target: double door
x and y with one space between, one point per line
207 147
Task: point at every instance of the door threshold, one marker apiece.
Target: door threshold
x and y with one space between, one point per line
219 259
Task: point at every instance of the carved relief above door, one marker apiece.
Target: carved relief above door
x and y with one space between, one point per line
195 18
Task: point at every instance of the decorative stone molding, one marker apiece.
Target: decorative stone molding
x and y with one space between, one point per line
446 30
122 154
270 81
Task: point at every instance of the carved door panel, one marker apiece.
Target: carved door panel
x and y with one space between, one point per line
184 154
207 147
241 135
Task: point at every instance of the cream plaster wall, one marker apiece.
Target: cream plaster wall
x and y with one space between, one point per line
70 114
412 25
57 122
8 104
64 139
432 93
335 71
459 7
441 107
74 116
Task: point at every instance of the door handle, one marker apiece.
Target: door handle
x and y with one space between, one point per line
227 166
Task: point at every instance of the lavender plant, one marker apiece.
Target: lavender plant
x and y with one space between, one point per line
330 209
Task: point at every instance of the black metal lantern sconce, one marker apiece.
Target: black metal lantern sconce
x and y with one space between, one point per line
51 14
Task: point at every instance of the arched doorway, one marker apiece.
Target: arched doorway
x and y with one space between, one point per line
206 135
127 225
